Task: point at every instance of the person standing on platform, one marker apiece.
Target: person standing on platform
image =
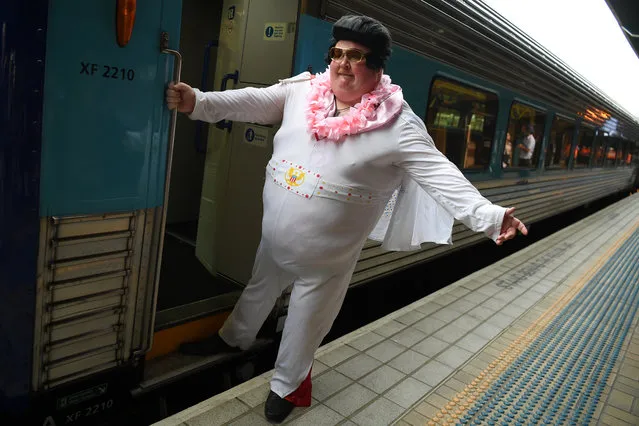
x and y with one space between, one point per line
351 160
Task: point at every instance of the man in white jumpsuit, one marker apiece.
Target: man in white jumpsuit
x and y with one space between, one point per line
351 160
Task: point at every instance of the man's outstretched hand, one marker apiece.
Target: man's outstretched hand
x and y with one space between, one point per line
510 226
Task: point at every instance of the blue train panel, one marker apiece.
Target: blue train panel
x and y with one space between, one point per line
21 83
105 124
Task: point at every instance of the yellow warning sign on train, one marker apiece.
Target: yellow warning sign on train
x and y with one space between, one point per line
275 31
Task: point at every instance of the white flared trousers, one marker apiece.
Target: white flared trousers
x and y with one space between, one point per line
315 302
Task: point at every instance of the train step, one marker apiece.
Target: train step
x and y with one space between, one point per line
175 366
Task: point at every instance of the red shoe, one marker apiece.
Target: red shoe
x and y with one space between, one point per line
301 397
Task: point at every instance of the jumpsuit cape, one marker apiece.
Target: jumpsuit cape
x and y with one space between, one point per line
323 198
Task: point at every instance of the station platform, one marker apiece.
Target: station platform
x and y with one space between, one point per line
547 335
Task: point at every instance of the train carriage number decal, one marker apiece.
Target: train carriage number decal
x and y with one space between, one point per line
106 71
82 413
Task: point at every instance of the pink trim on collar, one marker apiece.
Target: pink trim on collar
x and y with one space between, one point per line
377 108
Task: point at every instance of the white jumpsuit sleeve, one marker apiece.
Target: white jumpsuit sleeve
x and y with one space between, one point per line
255 105
443 181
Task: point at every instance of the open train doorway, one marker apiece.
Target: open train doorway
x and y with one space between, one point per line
186 285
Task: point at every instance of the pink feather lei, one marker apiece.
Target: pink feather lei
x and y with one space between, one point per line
361 117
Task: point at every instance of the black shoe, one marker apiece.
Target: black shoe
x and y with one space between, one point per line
211 346
277 409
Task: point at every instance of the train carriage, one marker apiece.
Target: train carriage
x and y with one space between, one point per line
126 230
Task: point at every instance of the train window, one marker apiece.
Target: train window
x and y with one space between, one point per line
525 131
610 152
629 154
599 150
633 155
584 148
558 151
625 153
461 120
621 152
611 155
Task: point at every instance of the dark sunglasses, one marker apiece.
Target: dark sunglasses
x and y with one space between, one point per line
352 55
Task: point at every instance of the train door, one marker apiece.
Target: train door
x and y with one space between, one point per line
187 289
215 204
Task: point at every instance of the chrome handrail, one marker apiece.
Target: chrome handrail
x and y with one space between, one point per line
177 71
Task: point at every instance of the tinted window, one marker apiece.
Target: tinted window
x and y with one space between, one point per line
630 155
621 153
599 150
584 148
558 151
525 131
461 120
610 152
633 155
625 152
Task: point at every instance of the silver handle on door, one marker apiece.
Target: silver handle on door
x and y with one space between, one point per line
177 71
